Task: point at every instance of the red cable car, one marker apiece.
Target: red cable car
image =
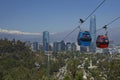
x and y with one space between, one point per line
102 41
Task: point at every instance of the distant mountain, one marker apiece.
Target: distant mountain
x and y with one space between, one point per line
17 36
113 35
26 36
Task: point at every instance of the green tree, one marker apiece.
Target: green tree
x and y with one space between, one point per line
72 66
114 70
79 75
67 76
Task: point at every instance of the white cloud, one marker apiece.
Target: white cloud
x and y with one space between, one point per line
53 33
20 32
17 32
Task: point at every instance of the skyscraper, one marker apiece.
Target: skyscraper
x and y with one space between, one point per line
73 45
45 41
62 45
93 33
55 47
59 46
35 46
68 46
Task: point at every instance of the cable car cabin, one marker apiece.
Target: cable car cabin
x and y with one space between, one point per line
102 41
84 38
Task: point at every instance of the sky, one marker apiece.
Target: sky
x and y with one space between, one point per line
55 15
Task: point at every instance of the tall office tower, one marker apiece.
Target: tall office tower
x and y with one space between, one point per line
68 46
93 33
45 41
59 46
62 45
35 46
55 47
73 45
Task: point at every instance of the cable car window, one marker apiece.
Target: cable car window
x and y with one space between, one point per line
86 35
103 40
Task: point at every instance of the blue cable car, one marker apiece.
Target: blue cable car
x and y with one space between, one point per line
84 38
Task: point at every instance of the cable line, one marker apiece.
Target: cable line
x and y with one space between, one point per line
82 21
70 32
95 9
113 21
104 38
105 26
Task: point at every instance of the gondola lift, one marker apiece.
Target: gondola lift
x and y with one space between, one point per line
103 40
84 38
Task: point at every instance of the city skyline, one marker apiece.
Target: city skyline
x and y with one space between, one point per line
59 39
37 16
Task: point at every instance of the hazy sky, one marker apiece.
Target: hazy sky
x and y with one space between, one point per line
55 15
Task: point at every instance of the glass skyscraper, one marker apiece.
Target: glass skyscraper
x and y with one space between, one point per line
68 46
62 45
35 46
45 41
93 33
55 47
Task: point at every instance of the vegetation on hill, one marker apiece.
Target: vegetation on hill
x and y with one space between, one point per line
18 62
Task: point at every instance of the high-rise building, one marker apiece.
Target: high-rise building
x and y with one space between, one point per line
93 33
68 46
73 45
45 41
55 46
62 45
59 46
35 46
